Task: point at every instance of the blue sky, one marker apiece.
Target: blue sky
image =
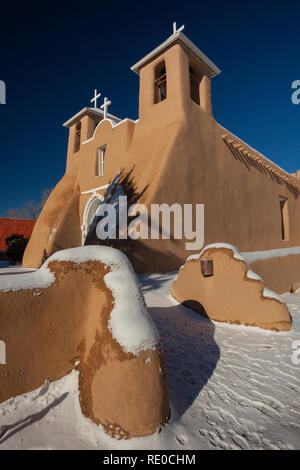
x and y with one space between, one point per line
53 55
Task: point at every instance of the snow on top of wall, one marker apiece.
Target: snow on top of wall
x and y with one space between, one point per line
272 295
246 257
252 275
129 322
40 279
267 254
236 253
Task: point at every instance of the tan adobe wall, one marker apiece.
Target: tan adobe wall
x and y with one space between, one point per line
48 326
58 225
279 274
231 294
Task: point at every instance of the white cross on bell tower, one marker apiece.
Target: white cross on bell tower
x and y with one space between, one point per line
104 106
175 30
96 96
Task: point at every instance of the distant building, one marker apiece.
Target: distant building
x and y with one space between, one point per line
10 226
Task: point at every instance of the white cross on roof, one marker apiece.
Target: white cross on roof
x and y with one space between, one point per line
175 30
104 106
96 96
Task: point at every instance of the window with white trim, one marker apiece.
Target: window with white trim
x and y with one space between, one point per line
100 160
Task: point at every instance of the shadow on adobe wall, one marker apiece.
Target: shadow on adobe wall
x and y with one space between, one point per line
127 184
249 163
191 353
144 257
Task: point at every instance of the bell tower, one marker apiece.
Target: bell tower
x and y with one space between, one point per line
174 75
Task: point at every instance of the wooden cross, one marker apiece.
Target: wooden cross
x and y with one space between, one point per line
96 96
105 106
175 30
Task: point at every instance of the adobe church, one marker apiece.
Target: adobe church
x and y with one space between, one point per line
174 153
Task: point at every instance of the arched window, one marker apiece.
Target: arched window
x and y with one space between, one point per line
160 83
2 352
89 213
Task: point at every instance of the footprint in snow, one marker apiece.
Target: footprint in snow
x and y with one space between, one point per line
182 440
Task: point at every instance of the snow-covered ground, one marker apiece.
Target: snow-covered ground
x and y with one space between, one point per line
230 387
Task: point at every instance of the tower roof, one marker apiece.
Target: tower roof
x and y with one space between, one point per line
211 70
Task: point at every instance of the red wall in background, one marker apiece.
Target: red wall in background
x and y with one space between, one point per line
10 226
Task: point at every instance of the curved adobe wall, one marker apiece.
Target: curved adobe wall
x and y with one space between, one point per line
233 293
85 305
58 225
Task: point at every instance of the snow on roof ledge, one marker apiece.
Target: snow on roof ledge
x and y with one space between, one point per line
95 111
129 322
211 69
253 256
